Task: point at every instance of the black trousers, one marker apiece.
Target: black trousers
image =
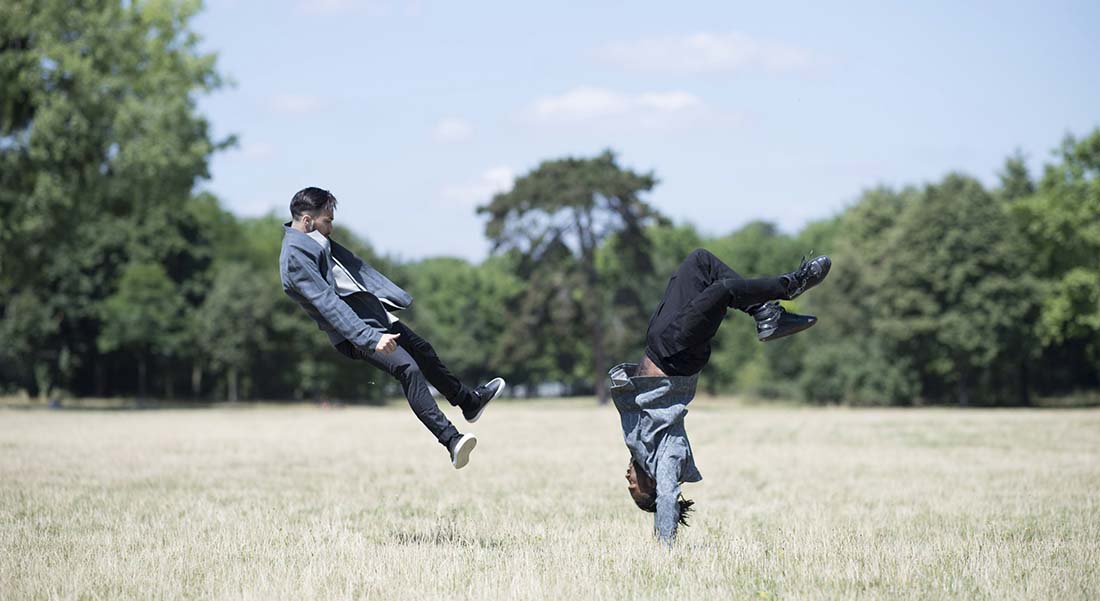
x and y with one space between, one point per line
693 306
415 364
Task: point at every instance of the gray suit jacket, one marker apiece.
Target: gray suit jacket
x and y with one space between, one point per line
306 272
651 412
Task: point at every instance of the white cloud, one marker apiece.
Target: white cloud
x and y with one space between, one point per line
587 103
669 101
296 104
708 52
492 181
453 129
581 103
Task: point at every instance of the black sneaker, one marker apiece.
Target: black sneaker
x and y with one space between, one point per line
809 274
774 322
482 395
460 448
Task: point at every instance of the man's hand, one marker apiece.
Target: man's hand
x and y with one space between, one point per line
387 344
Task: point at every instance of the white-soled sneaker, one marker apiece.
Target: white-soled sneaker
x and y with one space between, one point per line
484 394
460 449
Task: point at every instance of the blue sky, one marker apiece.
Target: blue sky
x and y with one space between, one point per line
413 113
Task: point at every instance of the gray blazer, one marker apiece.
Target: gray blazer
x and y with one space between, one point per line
306 272
651 412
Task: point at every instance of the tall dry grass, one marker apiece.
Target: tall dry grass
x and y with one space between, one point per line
305 503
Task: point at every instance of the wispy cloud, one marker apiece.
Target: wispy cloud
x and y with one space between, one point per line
588 103
493 180
296 104
669 101
453 129
708 52
581 103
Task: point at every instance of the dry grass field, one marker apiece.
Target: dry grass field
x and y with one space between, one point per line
360 503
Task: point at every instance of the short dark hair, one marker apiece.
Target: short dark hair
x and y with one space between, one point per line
685 507
312 201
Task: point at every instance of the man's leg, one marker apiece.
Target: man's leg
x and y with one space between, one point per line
701 269
700 292
702 274
695 303
401 365
433 368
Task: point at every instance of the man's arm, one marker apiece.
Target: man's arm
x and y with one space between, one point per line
667 518
306 279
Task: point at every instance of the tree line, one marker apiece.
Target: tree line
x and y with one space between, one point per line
117 278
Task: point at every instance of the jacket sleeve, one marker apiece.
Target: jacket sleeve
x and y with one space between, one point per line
306 279
667 518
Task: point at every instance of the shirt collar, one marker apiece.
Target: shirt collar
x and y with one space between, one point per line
319 238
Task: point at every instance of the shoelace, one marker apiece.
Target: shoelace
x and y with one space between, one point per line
799 286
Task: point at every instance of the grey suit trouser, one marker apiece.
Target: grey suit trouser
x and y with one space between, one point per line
415 365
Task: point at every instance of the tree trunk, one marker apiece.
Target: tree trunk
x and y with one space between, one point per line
196 380
1025 384
231 381
599 353
583 221
169 384
42 380
964 392
100 388
142 369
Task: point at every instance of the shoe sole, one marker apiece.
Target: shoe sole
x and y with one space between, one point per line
477 416
462 452
788 333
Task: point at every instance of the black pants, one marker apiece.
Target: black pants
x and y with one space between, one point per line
694 304
416 365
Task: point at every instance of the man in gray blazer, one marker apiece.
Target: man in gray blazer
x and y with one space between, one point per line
353 303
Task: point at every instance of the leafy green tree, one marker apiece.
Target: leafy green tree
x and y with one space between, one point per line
738 361
556 217
632 295
848 361
1015 180
461 309
951 291
758 249
544 340
22 362
1061 224
233 322
143 317
100 141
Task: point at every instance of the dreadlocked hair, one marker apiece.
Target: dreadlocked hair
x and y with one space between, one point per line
685 509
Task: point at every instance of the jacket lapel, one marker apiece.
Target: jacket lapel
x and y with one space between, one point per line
370 278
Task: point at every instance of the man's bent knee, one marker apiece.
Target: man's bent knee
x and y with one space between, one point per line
701 256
